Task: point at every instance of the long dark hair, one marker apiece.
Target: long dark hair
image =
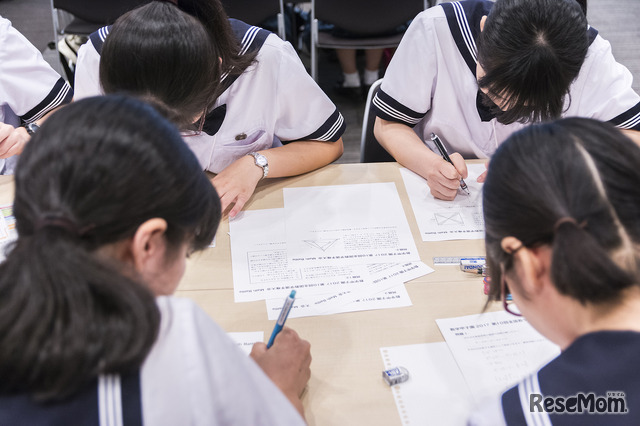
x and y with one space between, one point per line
214 18
95 171
158 52
573 184
531 52
175 54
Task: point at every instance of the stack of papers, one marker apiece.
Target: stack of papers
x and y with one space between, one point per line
483 356
343 248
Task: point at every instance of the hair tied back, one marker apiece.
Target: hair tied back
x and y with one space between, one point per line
568 219
58 220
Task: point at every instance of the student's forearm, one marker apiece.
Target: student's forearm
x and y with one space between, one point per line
300 157
405 146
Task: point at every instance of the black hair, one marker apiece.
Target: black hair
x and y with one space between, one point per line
158 52
95 171
214 18
531 52
175 52
573 184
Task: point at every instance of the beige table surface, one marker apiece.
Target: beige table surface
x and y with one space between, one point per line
346 387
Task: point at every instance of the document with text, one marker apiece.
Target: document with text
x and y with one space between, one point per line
261 269
439 220
347 224
495 350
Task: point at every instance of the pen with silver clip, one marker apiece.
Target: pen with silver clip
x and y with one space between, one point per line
436 140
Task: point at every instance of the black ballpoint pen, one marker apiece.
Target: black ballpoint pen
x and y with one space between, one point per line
444 154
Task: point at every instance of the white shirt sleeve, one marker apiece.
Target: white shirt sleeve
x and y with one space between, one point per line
87 74
28 84
303 110
196 375
603 89
411 76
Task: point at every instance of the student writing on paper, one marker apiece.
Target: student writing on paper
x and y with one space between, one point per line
561 205
88 329
473 72
238 92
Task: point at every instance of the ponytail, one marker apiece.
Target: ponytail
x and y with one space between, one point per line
69 311
72 316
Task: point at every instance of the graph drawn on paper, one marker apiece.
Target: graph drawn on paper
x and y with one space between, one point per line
323 245
449 218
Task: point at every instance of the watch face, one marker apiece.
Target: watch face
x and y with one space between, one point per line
261 160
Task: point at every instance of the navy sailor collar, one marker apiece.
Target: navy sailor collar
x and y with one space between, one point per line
464 19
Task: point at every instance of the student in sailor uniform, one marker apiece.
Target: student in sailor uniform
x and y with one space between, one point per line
29 90
473 72
561 207
263 97
89 334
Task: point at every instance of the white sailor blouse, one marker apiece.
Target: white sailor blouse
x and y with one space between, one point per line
431 83
29 87
271 103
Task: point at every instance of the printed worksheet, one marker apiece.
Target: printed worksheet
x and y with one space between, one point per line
347 225
495 350
394 297
261 269
246 339
8 231
386 291
439 220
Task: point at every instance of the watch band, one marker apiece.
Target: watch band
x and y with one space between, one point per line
262 162
31 128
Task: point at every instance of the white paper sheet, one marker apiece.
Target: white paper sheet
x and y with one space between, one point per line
394 297
495 350
260 267
348 224
438 220
385 276
246 339
436 393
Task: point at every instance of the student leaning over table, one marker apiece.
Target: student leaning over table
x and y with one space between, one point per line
29 91
256 94
89 331
473 72
561 206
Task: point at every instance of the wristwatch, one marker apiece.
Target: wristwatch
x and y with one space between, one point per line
261 161
31 128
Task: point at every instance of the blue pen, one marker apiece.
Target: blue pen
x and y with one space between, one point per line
284 313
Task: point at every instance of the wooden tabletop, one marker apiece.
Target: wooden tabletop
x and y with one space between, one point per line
346 386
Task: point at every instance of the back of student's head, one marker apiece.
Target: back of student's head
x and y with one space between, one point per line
531 52
573 184
158 51
95 171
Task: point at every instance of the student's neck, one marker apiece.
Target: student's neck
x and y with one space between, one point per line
622 314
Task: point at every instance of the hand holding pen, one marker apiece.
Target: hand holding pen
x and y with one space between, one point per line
436 140
286 359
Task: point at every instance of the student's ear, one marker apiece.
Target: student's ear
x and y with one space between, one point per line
531 264
482 21
148 245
